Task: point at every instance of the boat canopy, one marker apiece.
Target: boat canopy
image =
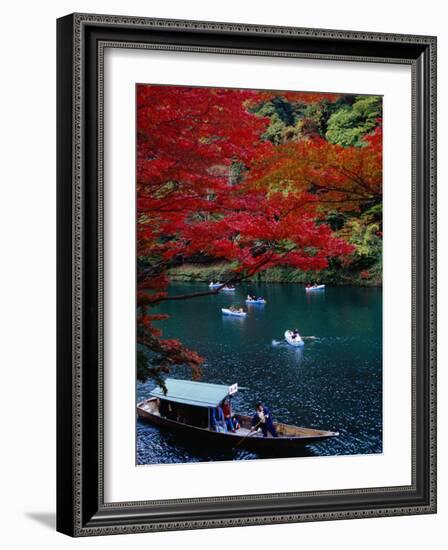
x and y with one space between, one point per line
198 394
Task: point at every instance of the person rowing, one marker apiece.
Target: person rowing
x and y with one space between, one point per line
253 298
263 419
293 337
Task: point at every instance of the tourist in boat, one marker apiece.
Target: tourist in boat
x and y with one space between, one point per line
218 422
227 411
236 423
263 419
166 410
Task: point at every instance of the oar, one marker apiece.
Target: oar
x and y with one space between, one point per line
248 435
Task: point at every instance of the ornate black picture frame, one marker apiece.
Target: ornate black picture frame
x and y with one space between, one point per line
81 509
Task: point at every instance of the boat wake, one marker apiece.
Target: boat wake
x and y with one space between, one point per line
278 342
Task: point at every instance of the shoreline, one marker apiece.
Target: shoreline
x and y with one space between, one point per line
204 274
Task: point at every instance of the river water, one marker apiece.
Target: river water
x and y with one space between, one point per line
334 382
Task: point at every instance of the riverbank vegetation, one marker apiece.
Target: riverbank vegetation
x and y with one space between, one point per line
241 185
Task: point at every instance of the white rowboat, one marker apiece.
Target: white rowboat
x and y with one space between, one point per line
312 288
292 340
227 311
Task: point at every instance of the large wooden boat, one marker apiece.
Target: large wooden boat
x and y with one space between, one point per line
187 409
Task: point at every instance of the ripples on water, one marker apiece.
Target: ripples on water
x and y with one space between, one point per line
334 382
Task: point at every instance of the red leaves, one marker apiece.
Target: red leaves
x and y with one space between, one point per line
296 97
154 282
183 131
208 186
145 299
341 177
189 202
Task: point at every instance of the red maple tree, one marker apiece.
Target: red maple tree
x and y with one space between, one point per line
207 186
346 178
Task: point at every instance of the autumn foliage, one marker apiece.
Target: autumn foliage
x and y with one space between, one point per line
209 186
346 178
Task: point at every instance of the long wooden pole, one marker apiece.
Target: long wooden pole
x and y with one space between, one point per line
246 436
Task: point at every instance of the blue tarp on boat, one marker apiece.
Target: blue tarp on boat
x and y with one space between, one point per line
199 394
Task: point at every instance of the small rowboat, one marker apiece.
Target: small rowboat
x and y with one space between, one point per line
227 311
186 411
228 288
313 288
295 341
214 285
259 301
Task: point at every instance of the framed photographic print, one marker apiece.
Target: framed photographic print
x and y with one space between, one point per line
246 274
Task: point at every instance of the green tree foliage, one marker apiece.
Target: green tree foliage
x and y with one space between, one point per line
293 121
365 232
336 220
282 115
350 123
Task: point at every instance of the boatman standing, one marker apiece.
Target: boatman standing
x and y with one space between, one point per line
263 419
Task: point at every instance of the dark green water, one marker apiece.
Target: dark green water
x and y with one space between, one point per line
334 382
